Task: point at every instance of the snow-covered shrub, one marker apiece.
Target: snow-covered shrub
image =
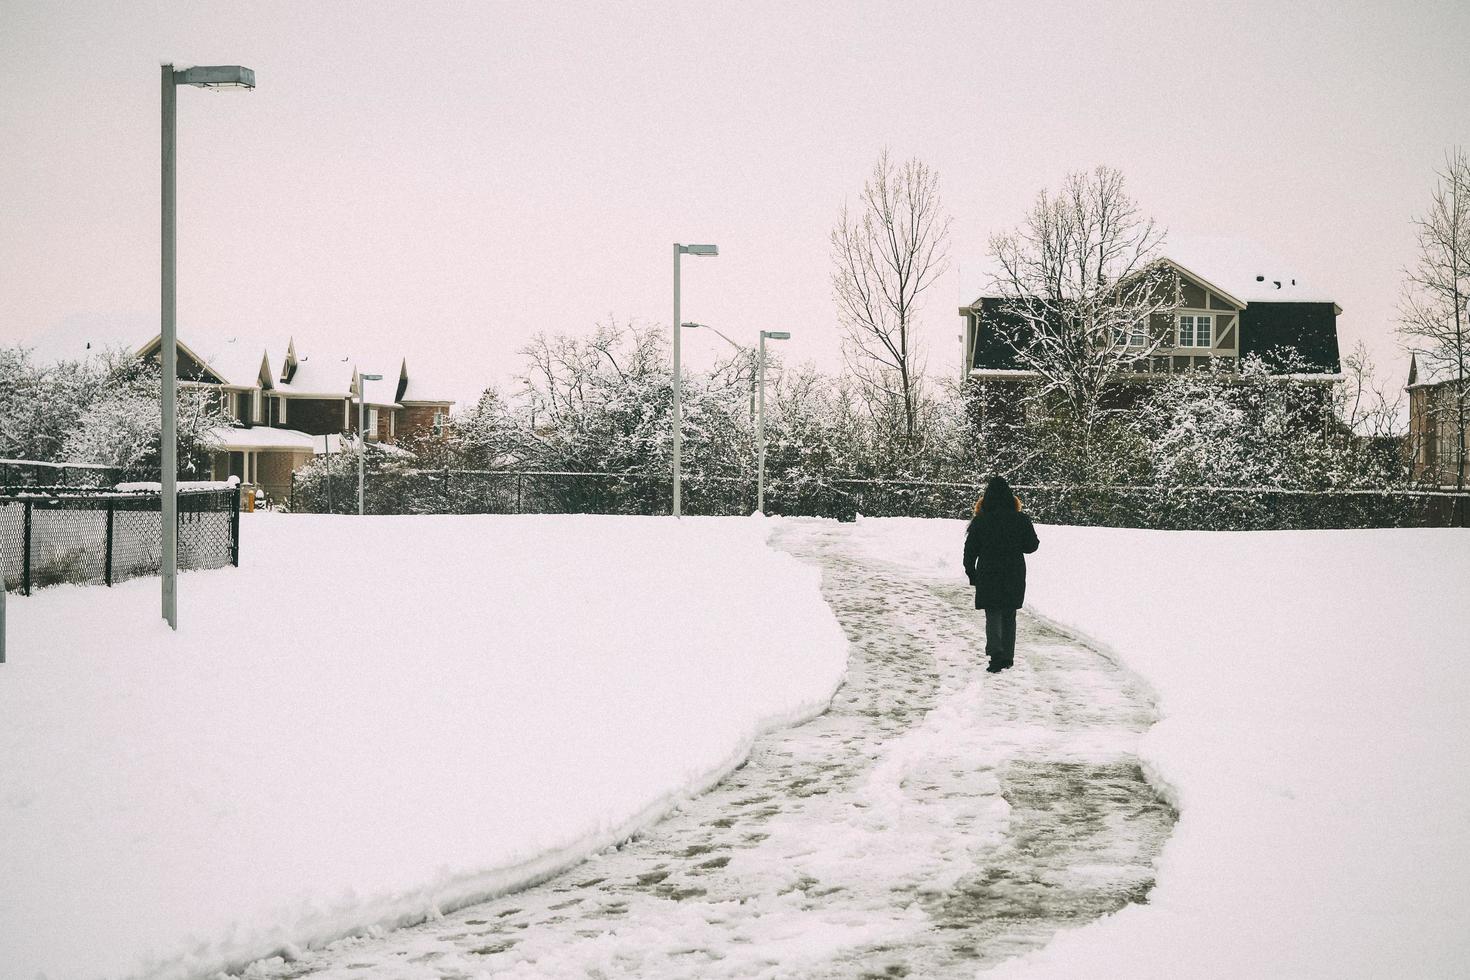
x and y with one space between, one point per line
40 404
123 426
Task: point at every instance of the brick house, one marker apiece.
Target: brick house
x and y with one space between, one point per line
1226 306
1433 420
283 418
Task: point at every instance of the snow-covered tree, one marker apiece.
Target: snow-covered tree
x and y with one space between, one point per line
884 257
815 436
1082 286
481 437
1434 315
41 403
123 427
603 403
1197 428
1365 427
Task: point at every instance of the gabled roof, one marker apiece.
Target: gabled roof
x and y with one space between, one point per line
319 376
1243 269
1224 294
234 363
380 392
412 389
1239 270
238 364
1427 375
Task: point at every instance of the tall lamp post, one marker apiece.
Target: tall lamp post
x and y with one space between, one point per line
760 425
740 347
362 380
680 250
200 76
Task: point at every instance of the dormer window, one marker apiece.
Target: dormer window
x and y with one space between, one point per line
1196 330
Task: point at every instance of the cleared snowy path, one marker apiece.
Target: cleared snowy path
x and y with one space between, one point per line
936 819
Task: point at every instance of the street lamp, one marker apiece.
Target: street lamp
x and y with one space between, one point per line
679 250
760 425
200 76
362 380
738 346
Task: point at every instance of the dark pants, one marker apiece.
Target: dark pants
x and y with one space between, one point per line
1000 636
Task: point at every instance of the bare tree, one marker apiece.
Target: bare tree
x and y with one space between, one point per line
885 256
1436 302
1366 407
1082 284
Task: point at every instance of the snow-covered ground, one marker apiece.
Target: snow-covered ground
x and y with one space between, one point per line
1314 689
934 819
372 719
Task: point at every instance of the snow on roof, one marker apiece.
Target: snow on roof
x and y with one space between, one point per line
381 393
1243 269
262 437
418 391
1239 266
324 375
1428 371
236 360
336 443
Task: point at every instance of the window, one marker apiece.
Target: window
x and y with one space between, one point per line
440 418
1130 336
1195 330
372 423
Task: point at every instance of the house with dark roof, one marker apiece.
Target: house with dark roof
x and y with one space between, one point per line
284 418
1228 306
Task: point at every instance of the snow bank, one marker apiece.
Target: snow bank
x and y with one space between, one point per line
373 719
1314 687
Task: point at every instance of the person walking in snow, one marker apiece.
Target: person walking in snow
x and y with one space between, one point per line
999 538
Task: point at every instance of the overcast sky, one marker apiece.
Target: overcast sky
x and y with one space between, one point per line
445 179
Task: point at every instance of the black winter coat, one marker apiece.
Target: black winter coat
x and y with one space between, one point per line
995 548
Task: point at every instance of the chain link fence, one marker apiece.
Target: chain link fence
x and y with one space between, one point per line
518 492
1180 508
1174 508
34 473
55 535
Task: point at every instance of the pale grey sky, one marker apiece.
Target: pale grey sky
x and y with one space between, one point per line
445 179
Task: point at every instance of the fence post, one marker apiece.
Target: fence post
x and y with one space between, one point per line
520 478
235 524
25 561
107 556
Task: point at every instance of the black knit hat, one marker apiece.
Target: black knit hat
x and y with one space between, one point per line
998 496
